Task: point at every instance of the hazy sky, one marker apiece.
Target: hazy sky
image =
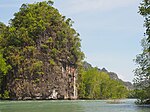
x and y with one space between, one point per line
110 30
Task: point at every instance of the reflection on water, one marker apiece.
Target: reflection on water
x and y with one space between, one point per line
71 106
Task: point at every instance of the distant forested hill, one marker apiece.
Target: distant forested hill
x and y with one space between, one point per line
112 75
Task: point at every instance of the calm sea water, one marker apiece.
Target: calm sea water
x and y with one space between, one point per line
71 106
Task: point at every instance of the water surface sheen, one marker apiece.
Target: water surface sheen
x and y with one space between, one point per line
71 106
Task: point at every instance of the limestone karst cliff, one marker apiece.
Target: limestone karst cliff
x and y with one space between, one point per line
43 51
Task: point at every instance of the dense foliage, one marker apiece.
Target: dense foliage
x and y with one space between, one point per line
3 66
37 41
94 84
142 73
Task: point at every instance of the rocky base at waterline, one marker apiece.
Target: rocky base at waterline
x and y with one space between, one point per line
141 102
62 86
115 101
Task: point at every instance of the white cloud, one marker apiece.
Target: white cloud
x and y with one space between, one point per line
16 3
77 6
